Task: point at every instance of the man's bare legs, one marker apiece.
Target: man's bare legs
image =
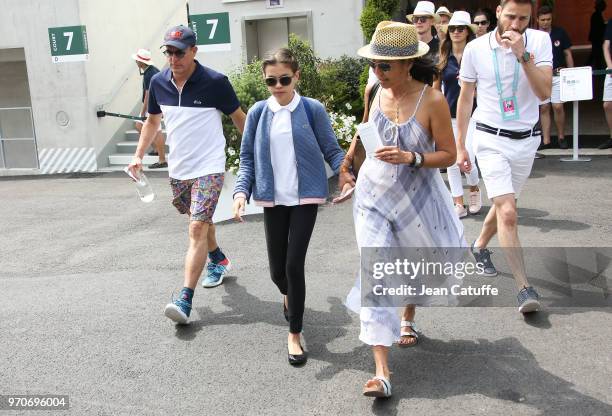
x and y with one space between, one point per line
197 253
546 123
559 113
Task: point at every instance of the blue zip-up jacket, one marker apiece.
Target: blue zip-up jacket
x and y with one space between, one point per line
311 144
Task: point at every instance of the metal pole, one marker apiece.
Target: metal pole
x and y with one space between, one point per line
575 157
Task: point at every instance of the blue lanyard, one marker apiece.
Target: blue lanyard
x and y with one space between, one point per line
498 79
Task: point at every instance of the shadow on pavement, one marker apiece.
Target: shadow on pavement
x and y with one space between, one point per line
435 369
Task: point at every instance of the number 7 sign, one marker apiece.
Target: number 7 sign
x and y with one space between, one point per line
212 31
68 44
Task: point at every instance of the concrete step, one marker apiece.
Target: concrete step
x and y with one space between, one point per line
119 168
125 158
129 146
134 135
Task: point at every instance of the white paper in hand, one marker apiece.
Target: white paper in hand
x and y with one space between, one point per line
368 133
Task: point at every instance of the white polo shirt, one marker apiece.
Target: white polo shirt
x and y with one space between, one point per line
477 66
282 152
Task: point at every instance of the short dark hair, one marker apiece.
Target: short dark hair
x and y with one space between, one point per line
503 3
544 10
280 56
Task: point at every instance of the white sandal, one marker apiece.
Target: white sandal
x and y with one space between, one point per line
410 333
377 392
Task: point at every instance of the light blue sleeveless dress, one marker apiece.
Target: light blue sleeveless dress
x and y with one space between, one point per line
399 206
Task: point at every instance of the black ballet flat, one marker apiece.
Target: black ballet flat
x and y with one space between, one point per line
298 359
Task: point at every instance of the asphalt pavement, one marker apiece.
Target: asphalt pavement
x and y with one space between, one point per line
86 270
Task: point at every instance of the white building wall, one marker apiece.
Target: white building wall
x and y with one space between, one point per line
335 26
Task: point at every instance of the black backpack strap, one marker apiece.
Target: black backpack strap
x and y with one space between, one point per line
373 93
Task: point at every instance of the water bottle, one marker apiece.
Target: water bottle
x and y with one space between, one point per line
143 186
145 191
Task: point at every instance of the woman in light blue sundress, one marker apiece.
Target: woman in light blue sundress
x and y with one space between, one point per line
400 199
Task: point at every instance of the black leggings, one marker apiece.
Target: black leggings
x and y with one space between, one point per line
288 231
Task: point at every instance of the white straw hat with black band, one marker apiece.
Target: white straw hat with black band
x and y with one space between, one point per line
393 41
424 8
461 18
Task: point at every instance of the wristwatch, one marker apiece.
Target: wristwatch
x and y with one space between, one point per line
417 160
526 57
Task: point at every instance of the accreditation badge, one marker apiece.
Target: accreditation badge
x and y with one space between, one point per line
509 108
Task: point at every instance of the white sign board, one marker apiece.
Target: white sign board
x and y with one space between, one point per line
576 83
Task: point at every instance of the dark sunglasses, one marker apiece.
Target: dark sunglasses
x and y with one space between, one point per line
420 19
482 23
179 53
384 66
458 29
284 81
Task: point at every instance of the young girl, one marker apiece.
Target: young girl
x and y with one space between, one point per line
460 32
283 146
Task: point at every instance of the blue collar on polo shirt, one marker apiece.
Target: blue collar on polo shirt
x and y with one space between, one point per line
197 74
493 44
274 106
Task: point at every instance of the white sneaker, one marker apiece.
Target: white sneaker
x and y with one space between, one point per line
475 202
460 210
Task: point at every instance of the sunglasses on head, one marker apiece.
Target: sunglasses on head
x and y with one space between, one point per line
482 23
179 53
420 19
458 29
383 66
284 81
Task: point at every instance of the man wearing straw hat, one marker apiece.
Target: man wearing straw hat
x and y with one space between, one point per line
423 18
513 68
444 14
147 70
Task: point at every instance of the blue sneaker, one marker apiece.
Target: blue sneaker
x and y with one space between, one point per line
215 273
528 300
178 310
483 256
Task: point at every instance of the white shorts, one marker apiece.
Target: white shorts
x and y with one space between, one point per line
555 96
607 94
505 164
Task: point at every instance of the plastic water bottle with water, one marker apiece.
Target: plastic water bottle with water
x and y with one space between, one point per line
143 186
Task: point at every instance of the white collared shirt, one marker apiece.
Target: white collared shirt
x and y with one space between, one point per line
282 152
477 66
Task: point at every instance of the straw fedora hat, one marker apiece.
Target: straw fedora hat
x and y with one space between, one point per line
443 11
393 40
424 8
144 56
460 18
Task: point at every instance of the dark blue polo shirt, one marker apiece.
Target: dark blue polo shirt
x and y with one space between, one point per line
146 79
560 42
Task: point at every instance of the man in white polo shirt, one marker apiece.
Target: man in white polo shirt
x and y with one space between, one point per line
512 66
192 98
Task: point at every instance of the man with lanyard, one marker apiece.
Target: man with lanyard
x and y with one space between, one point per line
192 98
423 18
513 68
562 58
146 69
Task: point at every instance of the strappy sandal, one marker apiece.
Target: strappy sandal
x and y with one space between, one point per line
410 333
381 389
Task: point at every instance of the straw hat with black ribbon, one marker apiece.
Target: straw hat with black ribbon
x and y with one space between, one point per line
393 41
443 11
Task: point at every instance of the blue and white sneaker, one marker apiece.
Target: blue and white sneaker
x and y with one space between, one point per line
483 256
178 311
528 300
215 273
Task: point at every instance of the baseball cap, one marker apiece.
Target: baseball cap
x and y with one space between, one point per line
180 37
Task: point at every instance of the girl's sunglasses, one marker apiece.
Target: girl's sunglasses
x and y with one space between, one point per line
384 66
482 23
284 81
458 29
